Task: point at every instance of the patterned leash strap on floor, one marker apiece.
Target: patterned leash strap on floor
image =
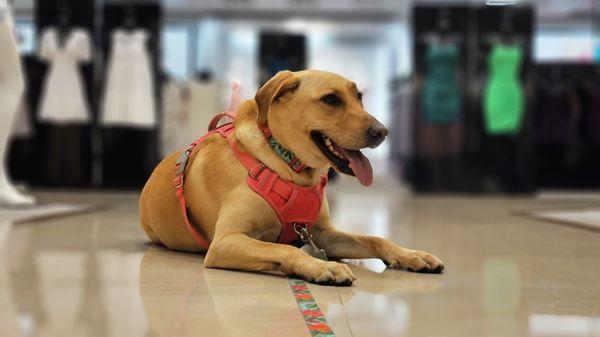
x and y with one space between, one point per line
313 316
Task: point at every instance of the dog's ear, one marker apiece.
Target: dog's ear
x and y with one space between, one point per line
280 84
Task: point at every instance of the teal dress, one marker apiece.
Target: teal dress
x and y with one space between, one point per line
503 102
441 96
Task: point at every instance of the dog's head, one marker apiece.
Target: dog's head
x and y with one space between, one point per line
320 117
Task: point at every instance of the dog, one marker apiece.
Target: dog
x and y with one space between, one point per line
319 117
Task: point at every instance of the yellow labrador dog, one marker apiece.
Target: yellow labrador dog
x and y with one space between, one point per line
319 117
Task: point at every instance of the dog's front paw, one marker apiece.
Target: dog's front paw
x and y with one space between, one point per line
327 273
418 261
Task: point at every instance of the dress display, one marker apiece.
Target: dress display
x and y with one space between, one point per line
503 102
129 93
63 100
441 97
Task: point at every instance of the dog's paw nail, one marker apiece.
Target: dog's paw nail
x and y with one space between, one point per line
346 283
333 282
428 270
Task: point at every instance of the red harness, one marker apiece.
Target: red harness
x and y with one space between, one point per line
296 206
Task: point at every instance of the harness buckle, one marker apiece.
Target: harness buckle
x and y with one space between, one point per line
309 246
256 170
178 182
301 230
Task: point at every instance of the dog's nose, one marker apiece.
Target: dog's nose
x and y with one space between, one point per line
376 134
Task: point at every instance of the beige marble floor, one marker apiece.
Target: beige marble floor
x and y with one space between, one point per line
588 218
506 275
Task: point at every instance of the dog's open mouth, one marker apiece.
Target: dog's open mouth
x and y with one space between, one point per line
351 162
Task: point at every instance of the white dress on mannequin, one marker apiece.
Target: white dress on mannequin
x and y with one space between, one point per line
11 89
63 99
129 93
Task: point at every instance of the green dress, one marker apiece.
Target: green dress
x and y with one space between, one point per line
441 96
503 99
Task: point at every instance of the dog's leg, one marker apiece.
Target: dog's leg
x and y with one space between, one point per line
338 244
241 252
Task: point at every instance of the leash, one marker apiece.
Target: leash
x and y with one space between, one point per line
313 316
309 309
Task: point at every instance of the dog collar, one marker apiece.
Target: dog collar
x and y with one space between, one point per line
288 156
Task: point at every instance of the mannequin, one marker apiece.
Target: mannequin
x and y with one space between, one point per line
11 89
130 20
441 103
63 26
504 96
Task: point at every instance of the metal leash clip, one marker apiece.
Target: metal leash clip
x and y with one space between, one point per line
309 246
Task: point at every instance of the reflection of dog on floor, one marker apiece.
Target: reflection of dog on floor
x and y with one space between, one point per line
180 298
315 119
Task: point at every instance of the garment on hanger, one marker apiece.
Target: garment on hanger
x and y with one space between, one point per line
129 93
441 96
63 99
503 102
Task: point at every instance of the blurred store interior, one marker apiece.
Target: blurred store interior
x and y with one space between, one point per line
493 109
449 131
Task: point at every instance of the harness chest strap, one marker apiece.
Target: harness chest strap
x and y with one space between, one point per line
294 205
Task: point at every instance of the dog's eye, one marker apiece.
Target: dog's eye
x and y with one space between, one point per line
359 95
332 100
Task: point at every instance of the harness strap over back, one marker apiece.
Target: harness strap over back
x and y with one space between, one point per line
180 166
294 205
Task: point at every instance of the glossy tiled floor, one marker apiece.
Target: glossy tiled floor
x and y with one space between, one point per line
94 275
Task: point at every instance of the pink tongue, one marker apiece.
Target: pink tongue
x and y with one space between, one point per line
360 165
